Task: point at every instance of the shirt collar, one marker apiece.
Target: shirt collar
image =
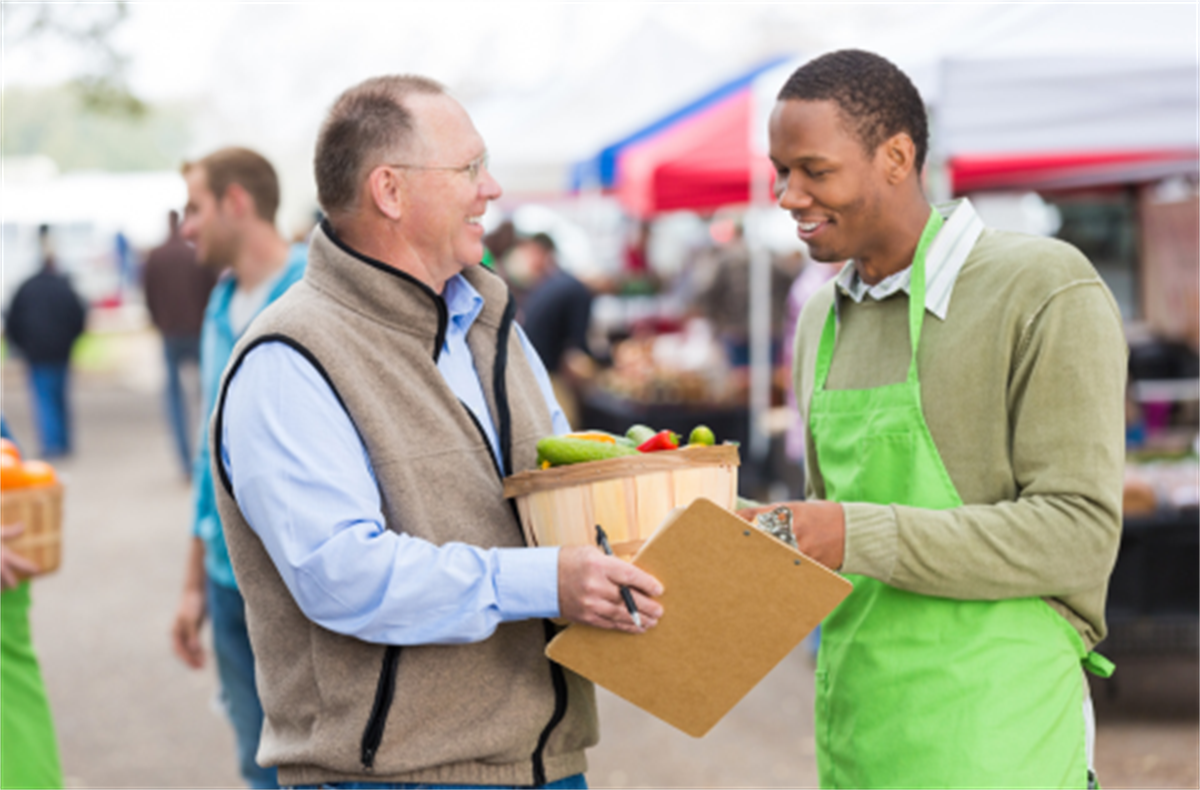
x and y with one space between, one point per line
463 303
943 261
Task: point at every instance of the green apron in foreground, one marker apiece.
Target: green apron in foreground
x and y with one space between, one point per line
919 691
28 744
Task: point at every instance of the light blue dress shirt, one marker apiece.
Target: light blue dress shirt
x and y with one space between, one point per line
303 479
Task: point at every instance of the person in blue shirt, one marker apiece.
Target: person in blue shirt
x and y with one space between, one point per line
333 392
233 195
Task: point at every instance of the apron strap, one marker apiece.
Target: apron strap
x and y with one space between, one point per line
1098 665
916 288
916 308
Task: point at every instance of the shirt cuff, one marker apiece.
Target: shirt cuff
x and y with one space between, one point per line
527 583
872 536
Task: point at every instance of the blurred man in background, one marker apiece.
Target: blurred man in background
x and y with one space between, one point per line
44 320
555 314
233 195
726 297
176 289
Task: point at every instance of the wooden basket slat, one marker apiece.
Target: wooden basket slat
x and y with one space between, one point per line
615 468
608 507
628 496
39 510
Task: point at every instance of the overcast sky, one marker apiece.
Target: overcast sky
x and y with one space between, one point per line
263 74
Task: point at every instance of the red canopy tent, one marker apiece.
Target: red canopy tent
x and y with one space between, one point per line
701 164
697 157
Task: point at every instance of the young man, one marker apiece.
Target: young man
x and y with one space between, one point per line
233 195
364 429
962 390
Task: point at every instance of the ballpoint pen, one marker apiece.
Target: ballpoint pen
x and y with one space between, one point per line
626 595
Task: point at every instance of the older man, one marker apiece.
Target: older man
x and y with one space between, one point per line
366 424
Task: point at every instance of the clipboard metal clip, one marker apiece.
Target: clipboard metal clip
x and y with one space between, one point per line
778 524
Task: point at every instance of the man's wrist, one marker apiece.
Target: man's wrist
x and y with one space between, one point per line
872 540
527 583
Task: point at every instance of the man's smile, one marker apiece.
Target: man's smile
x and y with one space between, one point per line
810 227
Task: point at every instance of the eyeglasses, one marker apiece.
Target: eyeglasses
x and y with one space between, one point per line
472 168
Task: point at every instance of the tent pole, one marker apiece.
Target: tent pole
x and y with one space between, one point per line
760 317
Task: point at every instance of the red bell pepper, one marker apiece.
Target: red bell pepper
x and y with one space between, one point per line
663 440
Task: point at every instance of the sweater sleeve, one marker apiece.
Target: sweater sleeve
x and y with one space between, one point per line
1060 535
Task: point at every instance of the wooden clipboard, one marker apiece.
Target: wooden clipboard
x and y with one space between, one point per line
735 600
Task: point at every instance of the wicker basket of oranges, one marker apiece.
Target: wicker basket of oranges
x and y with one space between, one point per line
31 495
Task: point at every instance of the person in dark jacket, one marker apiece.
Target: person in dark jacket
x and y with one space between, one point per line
176 287
44 320
555 314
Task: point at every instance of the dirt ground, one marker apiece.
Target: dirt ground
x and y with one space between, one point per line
130 715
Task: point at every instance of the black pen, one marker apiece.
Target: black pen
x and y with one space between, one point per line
602 540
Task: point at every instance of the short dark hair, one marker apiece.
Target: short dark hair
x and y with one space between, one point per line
248 169
876 99
544 241
367 123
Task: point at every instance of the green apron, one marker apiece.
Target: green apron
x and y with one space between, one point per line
915 690
28 745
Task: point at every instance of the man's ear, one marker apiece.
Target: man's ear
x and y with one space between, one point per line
899 157
385 187
237 201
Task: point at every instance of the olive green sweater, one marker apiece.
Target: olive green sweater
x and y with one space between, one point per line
1023 389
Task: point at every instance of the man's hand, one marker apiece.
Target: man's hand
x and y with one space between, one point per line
588 590
185 633
193 607
13 567
820 529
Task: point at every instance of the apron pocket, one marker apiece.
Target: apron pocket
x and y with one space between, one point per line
893 452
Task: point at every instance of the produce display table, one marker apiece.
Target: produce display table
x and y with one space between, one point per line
1154 594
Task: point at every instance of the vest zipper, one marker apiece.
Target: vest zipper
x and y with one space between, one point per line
559 679
500 388
385 691
504 428
483 435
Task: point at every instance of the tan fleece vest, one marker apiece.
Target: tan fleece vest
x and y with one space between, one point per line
340 709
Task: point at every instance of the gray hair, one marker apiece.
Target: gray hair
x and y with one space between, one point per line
367 123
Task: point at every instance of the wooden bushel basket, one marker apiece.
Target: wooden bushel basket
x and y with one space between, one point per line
39 510
628 496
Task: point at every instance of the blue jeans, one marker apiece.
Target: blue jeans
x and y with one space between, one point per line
178 351
48 380
235 669
576 782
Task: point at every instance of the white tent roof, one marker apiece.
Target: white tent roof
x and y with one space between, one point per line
1046 78
1008 77
1043 79
533 140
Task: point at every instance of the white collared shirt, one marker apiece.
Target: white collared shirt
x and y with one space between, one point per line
943 261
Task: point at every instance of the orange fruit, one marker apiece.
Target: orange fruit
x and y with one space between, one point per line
12 472
7 447
38 473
